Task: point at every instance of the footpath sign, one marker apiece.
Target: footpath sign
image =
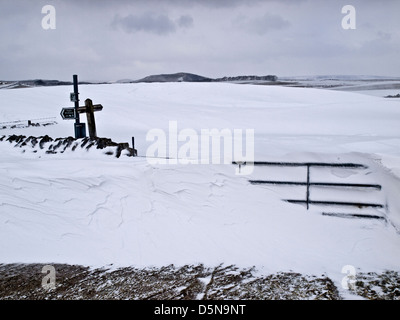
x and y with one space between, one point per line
68 113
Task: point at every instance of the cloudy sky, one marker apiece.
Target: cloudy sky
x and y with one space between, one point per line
129 39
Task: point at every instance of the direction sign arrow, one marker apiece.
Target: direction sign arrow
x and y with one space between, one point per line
68 113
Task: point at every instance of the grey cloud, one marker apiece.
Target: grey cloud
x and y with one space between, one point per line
262 25
223 37
149 22
185 21
381 44
214 4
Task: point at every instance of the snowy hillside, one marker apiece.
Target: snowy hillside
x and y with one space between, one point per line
345 82
88 208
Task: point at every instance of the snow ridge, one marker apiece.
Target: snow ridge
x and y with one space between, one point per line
53 146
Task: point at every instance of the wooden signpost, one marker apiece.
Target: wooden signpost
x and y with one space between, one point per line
73 113
90 109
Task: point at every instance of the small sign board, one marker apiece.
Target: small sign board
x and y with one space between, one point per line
68 113
73 97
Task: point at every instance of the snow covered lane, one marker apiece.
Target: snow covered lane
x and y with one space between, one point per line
98 211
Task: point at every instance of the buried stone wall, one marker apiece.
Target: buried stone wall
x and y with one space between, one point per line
60 145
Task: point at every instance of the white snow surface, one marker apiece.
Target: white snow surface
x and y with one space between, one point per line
87 208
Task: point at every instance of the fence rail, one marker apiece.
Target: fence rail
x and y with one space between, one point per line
27 123
309 164
320 184
308 184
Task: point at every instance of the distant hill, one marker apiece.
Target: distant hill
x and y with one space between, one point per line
248 78
175 77
35 83
44 83
338 78
32 83
190 77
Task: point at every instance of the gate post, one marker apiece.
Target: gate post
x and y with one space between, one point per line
308 187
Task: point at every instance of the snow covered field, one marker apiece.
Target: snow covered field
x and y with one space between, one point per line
87 208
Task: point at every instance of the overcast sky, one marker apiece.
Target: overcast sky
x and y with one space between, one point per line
129 39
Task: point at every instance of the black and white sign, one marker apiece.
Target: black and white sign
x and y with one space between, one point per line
68 113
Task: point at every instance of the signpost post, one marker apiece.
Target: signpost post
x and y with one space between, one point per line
73 113
80 128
